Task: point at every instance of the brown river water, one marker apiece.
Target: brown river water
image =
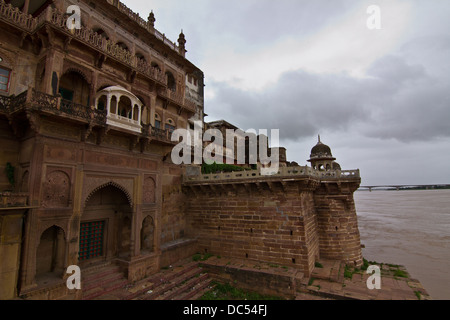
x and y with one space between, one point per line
410 228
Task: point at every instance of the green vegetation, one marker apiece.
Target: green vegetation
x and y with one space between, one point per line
348 273
365 265
200 257
228 292
318 265
400 273
311 281
9 170
418 295
219 167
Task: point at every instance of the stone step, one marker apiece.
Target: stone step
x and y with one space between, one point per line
200 291
179 291
159 279
91 275
162 288
102 280
197 291
99 291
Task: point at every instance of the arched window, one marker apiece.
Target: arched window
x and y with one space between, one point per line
141 57
101 32
125 109
136 113
101 103
74 87
170 125
157 121
171 83
147 234
113 107
122 45
156 66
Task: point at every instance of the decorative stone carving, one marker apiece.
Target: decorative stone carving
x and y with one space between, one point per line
93 184
56 189
149 191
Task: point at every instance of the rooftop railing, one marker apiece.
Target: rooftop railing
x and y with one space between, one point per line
58 19
15 16
283 172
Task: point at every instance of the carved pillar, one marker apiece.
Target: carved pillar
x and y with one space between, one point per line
26 6
108 104
152 110
49 68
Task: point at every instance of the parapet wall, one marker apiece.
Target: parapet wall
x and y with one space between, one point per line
287 219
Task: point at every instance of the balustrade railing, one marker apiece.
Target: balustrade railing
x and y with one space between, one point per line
17 17
12 199
59 20
143 67
5 103
177 98
283 172
74 109
40 101
157 133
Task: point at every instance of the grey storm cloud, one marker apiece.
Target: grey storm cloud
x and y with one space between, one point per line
397 100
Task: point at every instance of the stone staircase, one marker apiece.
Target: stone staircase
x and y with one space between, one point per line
187 281
101 280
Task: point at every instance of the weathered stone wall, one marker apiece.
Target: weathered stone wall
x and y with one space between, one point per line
292 223
274 225
337 223
173 222
9 152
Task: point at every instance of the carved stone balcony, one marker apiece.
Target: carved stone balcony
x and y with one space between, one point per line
13 200
178 99
33 100
159 135
124 123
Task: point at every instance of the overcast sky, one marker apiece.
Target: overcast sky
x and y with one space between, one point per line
379 98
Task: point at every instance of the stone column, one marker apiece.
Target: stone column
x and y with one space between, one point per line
152 110
26 6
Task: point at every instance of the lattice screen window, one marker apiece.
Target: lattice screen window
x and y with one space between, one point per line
91 240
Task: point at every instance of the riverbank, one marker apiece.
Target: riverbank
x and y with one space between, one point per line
409 228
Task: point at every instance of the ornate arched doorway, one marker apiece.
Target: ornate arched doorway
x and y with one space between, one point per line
105 227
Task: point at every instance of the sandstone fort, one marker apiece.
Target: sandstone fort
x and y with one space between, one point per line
86 177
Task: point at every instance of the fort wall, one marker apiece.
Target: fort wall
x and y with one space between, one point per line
291 222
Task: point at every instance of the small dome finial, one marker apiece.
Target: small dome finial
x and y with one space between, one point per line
319 139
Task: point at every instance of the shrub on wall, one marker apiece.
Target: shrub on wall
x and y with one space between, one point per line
9 169
219 167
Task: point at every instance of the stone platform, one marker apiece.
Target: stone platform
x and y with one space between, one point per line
329 280
190 280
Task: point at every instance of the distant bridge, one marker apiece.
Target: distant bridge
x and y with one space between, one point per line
406 186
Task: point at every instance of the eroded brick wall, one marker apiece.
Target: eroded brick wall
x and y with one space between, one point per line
339 236
276 225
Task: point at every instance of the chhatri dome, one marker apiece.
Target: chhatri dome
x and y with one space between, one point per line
321 157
